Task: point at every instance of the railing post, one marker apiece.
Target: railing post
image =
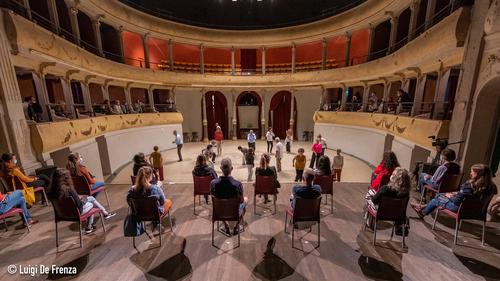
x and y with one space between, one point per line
263 60
347 48
146 50
324 54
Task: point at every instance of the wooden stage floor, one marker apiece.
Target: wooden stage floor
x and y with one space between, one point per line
346 252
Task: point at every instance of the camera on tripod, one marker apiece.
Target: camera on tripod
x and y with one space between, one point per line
442 143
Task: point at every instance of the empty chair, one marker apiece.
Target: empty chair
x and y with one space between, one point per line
226 210
326 183
449 183
305 210
201 186
389 209
83 187
67 210
264 185
472 208
146 209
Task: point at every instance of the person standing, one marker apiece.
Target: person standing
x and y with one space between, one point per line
244 151
250 161
219 138
323 144
251 137
178 141
316 152
270 139
288 140
299 162
338 164
157 161
279 153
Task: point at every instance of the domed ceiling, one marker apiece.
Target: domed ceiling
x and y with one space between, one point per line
243 14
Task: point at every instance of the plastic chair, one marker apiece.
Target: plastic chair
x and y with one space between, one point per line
390 209
12 212
146 209
201 186
472 208
264 185
67 210
326 183
306 210
83 187
14 183
226 210
449 183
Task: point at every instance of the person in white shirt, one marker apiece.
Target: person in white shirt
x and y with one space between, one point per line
279 154
178 141
270 138
288 140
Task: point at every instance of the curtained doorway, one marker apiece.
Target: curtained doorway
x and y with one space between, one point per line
216 108
279 114
248 111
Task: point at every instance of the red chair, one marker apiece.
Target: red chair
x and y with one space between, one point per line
264 185
67 210
146 209
326 183
306 210
83 187
449 183
201 187
472 208
13 212
14 183
226 210
390 209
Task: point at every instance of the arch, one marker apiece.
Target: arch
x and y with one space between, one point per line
381 37
279 113
216 109
248 98
87 34
403 29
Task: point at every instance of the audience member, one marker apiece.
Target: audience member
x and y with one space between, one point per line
289 140
372 102
447 167
265 170
404 101
139 162
279 153
251 138
202 169
76 168
384 169
299 162
324 166
138 106
270 138
479 185
316 153
338 164
116 108
226 187
156 159
62 187
250 162
307 191
145 188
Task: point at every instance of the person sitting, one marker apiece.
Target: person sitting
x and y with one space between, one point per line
324 166
226 187
76 168
307 191
447 167
384 169
202 169
139 162
116 108
144 187
15 200
62 187
265 170
479 185
9 169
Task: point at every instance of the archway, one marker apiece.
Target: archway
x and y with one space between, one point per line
279 113
249 105
216 109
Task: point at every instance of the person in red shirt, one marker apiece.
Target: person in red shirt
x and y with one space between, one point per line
384 170
76 168
317 149
219 138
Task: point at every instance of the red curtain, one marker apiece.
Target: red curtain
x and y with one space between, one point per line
279 113
248 60
216 108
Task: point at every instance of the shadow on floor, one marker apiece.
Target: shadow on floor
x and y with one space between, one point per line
378 270
272 267
488 271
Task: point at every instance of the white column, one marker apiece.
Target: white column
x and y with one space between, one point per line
263 116
97 31
415 8
204 120
202 59
393 35
263 60
233 61
128 97
170 55
419 94
366 95
105 92
41 89
233 119
74 24
348 49
146 50
53 13
344 97
151 99
429 15
294 51
120 35
292 107
26 4
324 54
322 98
86 96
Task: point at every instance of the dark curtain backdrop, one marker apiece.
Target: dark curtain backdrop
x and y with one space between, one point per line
259 102
279 113
216 113
248 60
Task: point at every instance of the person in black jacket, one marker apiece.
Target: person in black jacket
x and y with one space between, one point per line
479 185
139 162
202 169
62 187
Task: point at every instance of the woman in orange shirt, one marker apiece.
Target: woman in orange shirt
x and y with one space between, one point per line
76 168
219 137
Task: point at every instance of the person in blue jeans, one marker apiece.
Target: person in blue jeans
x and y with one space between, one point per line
15 200
447 167
479 185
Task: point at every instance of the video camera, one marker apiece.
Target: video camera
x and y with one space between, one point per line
438 142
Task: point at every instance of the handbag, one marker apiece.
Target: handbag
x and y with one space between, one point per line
132 226
29 195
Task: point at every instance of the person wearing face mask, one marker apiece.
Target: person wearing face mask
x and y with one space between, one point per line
76 167
447 167
10 172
